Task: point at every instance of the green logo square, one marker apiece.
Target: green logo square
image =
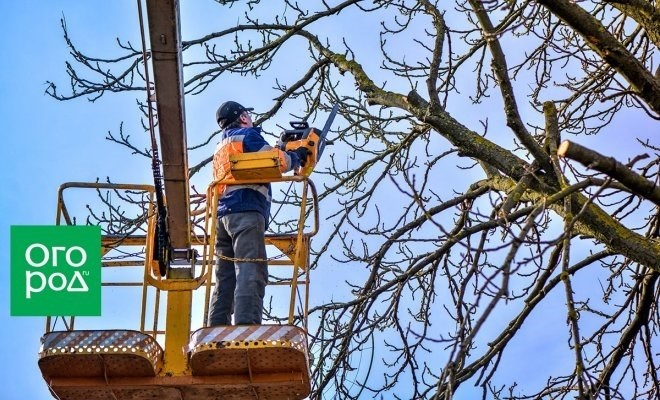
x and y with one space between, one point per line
55 270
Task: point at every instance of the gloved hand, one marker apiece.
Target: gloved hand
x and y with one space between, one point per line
302 153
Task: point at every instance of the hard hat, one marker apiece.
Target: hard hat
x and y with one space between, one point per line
228 112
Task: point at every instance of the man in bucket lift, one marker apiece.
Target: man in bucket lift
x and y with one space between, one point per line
243 214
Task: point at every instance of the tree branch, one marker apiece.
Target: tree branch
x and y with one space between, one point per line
501 70
609 48
644 13
612 168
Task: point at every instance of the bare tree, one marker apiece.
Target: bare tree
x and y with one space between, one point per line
458 225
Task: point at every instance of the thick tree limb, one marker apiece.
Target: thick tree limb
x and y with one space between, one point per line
466 140
609 48
612 168
595 222
644 13
552 136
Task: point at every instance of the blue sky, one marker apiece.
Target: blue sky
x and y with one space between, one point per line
47 142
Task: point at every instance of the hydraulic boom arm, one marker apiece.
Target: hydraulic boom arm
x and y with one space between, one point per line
165 38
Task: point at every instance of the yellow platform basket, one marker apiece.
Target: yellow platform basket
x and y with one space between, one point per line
260 165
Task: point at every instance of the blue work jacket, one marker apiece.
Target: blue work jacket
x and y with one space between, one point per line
238 198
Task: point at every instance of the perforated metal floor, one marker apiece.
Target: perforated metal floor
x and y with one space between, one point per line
244 362
111 353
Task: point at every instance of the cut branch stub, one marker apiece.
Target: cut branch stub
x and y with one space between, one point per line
612 168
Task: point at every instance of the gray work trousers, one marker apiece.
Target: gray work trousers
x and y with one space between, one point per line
240 284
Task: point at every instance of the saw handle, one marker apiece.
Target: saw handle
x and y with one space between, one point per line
299 125
311 143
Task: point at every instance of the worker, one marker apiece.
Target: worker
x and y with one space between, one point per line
243 214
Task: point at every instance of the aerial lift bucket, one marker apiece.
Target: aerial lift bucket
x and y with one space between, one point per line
232 362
